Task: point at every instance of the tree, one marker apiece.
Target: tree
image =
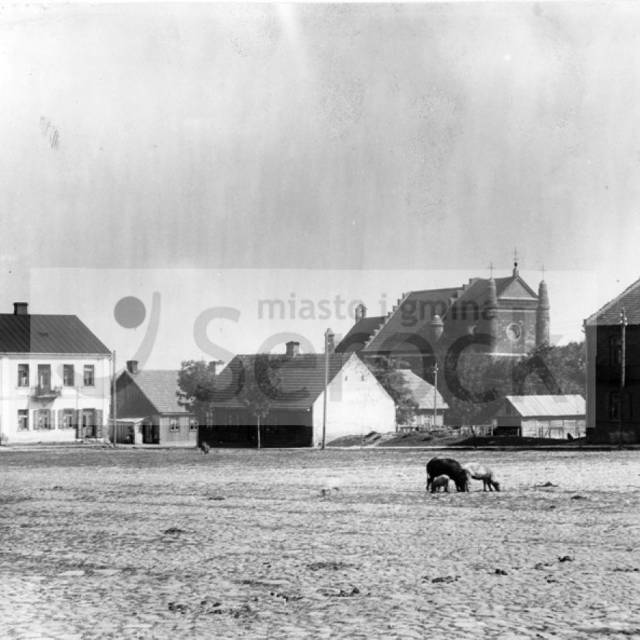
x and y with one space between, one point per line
196 388
261 387
478 382
387 372
567 365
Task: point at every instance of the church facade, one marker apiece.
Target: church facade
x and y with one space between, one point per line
501 316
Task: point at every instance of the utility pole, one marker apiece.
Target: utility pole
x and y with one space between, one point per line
113 401
435 392
327 334
623 358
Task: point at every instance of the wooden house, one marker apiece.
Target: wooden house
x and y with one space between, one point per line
612 337
148 412
356 402
541 416
55 378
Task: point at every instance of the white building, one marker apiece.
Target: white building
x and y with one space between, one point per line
356 403
55 379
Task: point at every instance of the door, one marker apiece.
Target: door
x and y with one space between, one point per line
150 434
89 423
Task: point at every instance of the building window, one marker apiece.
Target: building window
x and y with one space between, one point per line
44 376
614 405
23 375
173 425
68 375
23 420
193 424
89 375
67 419
42 419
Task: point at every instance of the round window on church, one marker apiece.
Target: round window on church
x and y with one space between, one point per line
514 331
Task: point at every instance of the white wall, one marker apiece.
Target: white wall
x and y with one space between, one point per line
356 404
79 397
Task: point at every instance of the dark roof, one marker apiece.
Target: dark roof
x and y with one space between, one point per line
412 315
47 334
301 376
478 288
609 314
160 388
359 334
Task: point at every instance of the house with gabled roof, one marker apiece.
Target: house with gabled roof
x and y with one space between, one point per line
55 378
356 403
430 406
612 336
147 409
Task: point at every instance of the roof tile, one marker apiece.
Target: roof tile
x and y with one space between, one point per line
47 334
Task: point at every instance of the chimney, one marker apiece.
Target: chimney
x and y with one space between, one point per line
361 312
20 308
330 344
293 348
132 366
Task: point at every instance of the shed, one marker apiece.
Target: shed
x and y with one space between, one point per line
542 416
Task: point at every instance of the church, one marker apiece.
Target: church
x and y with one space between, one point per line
501 316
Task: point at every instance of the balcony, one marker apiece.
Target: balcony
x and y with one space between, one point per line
45 392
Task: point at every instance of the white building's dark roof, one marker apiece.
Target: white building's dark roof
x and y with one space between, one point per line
40 333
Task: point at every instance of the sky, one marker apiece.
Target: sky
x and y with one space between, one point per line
216 155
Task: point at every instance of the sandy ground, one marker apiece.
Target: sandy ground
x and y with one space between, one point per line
310 544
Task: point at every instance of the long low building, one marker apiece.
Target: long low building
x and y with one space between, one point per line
542 416
356 402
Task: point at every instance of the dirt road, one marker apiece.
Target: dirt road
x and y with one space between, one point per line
310 544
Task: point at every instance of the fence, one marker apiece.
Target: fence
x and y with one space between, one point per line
465 431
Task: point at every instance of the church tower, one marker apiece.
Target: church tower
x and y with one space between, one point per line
491 311
542 316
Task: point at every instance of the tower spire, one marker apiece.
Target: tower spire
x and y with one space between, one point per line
515 263
542 316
